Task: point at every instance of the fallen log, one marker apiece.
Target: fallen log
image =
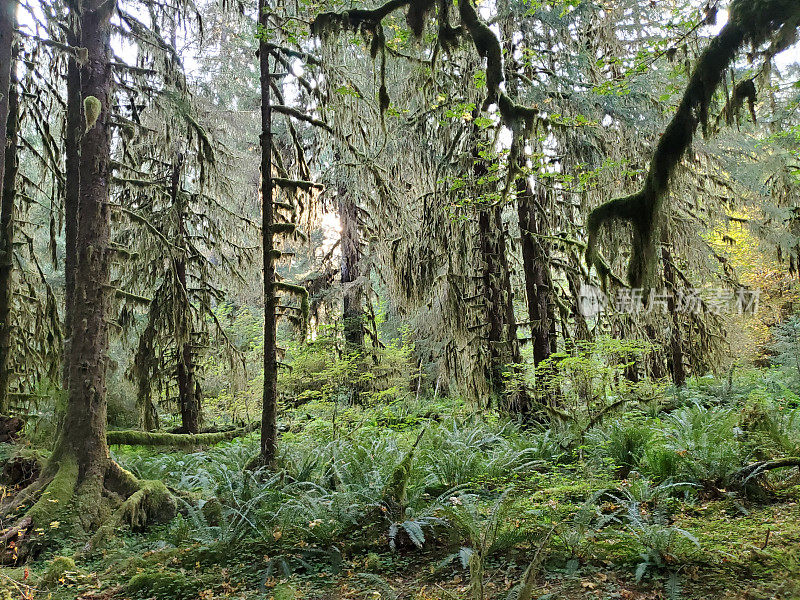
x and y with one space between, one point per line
133 437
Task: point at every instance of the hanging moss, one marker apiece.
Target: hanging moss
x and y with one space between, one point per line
296 290
417 15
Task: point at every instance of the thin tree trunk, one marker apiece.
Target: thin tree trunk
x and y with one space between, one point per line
676 338
352 312
7 217
83 434
269 414
7 21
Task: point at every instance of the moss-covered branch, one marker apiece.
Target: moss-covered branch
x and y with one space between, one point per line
301 116
296 184
283 228
751 22
145 438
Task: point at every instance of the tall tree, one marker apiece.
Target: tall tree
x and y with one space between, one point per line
80 474
7 217
72 177
269 411
7 21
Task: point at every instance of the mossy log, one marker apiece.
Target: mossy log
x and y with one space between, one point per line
748 479
133 437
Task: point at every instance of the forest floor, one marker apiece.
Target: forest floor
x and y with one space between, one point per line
616 515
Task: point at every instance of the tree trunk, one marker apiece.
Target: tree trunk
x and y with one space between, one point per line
188 400
7 217
352 313
7 21
80 484
676 338
72 151
269 414
496 280
536 263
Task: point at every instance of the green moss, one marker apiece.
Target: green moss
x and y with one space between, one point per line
179 440
282 228
284 591
166 586
150 504
488 46
61 567
57 495
92 107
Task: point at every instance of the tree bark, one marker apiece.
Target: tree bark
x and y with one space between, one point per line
72 152
352 313
676 338
83 435
188 398
80 476
496 280
7 217
7 21
269 413
536 263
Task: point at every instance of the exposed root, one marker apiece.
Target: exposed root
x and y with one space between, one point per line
101 502
58 491
151 503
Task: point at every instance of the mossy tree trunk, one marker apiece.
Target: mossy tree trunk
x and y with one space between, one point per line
352 311
84 429
269 412
532 221
676 360
503 346
536 264
188 387
7 155
494 277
